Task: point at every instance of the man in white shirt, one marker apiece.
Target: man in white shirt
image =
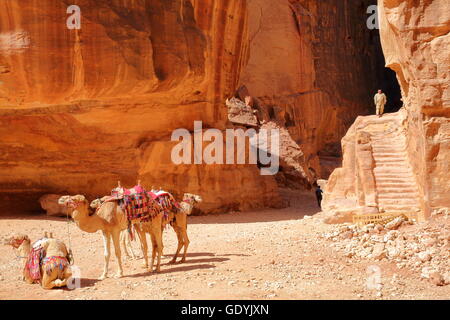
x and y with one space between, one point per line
380 101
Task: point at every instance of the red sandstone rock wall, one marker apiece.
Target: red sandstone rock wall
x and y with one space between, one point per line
311 66
81 109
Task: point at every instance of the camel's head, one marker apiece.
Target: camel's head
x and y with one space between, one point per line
98 202
192 198
73 202
17 240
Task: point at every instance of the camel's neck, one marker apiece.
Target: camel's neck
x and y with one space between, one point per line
188 207
24 249
85 222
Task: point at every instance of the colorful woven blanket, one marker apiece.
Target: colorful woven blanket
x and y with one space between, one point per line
33 264
137 203
167 202
55 262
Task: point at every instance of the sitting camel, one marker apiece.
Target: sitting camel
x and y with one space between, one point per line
152 227
47 260
178 221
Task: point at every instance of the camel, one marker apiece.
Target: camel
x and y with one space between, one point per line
52 270
178 221
125 237
152 227
110 219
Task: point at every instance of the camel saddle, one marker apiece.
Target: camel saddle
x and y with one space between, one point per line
136 202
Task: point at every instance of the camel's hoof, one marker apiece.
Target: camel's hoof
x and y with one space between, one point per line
173 261
183 260
102 277
118 275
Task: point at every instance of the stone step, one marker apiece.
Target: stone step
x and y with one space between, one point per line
401 162
391 186
397 196
390 155
393 146
382 189
399 208
386 183
393 171
377 150
403 202
383 172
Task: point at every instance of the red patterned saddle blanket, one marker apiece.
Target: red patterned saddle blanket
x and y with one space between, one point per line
33 265
136 202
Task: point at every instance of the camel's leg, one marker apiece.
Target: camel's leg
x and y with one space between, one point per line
128 244
116 241
180 244
181 224
154 248
143 241
186 244
47 282
107 245
51 281
157 247
123 243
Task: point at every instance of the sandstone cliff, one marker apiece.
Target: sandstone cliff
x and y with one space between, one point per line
81 109
410 167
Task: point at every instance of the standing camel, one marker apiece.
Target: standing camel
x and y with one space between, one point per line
178 221
177 218
47 260
111 220
152 227
125 237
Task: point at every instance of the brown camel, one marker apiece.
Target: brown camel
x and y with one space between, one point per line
53 270
153 227
178 221
110 219
125 237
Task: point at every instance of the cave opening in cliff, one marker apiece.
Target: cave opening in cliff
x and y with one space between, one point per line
391 88
386 77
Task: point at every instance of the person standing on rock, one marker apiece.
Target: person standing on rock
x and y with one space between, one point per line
319 196
380 101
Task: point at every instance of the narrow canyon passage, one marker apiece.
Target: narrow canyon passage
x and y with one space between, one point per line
228 114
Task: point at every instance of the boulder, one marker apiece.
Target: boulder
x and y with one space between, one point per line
49 203
379 251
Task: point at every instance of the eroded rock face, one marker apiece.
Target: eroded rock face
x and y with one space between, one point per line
415 38
81 109
411 148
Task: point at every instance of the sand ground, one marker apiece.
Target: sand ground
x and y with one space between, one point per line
265 254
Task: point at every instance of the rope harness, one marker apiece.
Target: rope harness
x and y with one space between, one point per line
71 204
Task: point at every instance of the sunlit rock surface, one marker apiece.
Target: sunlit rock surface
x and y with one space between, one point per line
81 109
411 166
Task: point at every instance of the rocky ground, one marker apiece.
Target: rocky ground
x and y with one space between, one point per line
268 254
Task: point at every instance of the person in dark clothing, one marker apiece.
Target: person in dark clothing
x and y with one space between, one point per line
319 196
